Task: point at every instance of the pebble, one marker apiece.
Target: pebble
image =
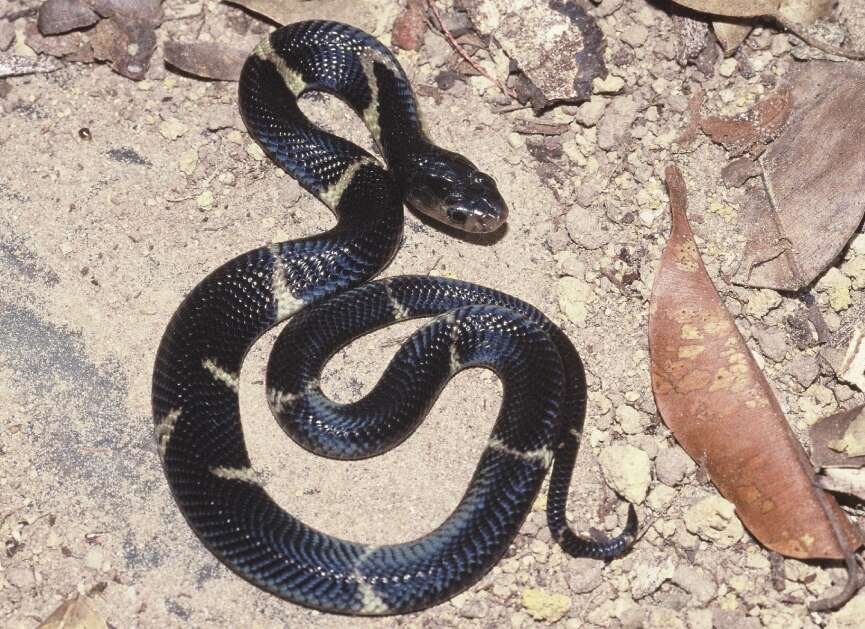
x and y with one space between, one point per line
20 577
616 122
648 578
254 151
631 420
761 301
516 140
696 582
854 268
627 470
699 618
635 35
188 161
660 498
672 465
574 295
714 520
584 574
227 178
664 618
728 67
585 228
543 605
837 286
589 114
611 85
540 551
772 342
804 370
204 200
172 128
94 558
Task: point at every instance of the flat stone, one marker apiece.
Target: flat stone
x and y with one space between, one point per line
627 470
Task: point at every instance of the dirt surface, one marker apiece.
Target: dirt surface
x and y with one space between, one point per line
103 232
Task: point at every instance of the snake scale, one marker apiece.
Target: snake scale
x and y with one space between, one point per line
322 285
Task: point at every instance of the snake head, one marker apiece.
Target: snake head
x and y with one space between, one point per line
450 189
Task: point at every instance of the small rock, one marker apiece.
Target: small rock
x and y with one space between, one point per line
584 574
188 162
854 268
540 551
664 618
94 558
62 16
627 470
672 465
660 498
732 619
804 370
574 295
761 301
205 199
696 582
699 618
631 420
227 178
616 122
837 286
611 85
589 113
172 129
410 26
635 35
20 577
773 343
542 605
714 519
728 67
648 578
585 228
569 263
473 609
255 151
755 560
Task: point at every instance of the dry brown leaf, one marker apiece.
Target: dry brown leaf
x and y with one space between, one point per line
844 480
733 8
282 12
74 613
814 176
210 60
754 130
721 409
838 440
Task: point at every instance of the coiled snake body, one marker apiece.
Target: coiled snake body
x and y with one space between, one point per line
322 283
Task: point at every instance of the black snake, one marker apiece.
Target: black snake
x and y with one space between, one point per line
324 282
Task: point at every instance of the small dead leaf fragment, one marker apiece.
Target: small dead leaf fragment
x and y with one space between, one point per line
814 177
62 16
752 131
16 65
733 8
281 12
844 480
853 367
210 60
723 412
839 440
75 613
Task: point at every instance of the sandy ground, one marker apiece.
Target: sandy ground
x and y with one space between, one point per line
101 238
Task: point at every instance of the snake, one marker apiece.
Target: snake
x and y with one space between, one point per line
324 286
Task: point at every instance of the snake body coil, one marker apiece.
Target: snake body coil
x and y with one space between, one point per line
195 385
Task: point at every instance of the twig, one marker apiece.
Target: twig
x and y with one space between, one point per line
456 46
802 34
